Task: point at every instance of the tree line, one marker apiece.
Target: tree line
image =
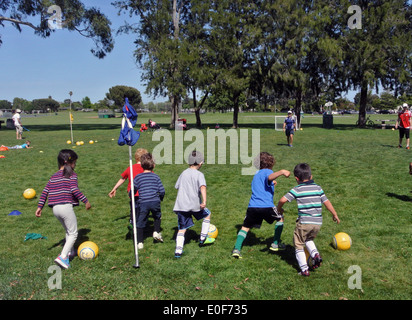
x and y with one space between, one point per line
309 52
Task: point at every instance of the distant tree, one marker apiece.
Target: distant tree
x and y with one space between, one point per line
22 104
4 104
45 104
74 16
118 94
87 104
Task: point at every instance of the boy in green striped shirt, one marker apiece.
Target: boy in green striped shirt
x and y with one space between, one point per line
310 198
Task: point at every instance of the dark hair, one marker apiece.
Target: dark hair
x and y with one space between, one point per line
302 171
147 162
264 161
65 158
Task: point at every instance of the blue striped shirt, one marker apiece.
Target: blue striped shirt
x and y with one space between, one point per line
149 186
310 198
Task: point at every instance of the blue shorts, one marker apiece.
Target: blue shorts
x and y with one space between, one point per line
185 220
289 132
144 210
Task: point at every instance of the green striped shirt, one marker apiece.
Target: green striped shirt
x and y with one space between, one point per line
310 198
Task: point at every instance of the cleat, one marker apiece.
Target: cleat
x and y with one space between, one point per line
236 254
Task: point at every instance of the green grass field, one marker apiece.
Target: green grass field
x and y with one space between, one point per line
362 172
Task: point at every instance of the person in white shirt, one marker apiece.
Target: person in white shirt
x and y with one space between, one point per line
17 123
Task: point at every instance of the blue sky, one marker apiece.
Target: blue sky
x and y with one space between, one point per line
32 67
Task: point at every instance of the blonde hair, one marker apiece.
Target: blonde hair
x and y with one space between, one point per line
139 153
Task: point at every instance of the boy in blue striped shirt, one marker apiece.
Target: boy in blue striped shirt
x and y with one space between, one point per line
151 193
310 198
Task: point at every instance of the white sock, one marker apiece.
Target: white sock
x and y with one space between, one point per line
180 240
301 258
205 229
310 245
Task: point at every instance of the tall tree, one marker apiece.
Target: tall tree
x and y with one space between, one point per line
70 14
377 48
158 45
234 38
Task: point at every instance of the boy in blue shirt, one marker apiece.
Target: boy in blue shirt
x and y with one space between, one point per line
261 205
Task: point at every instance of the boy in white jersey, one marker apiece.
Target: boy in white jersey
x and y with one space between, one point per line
310 198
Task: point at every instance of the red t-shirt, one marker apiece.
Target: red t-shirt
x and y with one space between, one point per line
137 168
405 119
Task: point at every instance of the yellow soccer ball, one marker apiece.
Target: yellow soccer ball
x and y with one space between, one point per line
213 232
29 193
69 142
88 250
342 241
91 141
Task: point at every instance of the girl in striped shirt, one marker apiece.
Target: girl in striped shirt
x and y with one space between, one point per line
63 194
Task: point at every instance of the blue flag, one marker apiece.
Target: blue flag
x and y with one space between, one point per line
130 112
127 134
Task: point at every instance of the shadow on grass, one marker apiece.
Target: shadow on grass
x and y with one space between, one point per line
399 197
225 126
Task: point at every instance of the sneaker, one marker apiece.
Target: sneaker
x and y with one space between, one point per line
63 263
317 260
140 245
157 236
407 147
207 241
277 247
236 254
400 146
178 255
304 273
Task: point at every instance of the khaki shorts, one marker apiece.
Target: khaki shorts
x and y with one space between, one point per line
304 233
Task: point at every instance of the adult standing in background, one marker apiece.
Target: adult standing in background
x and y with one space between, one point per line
289 127
17 123
404 124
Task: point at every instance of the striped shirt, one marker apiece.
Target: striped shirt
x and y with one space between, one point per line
310 198
61 190
150 187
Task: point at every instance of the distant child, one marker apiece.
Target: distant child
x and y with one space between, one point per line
151 193
191 202
21 146
137 169
261 205
63 193
309 197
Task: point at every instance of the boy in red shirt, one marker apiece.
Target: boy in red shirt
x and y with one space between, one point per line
137 168
404 124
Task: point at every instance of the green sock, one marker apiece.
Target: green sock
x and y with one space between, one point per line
278 232
241 236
